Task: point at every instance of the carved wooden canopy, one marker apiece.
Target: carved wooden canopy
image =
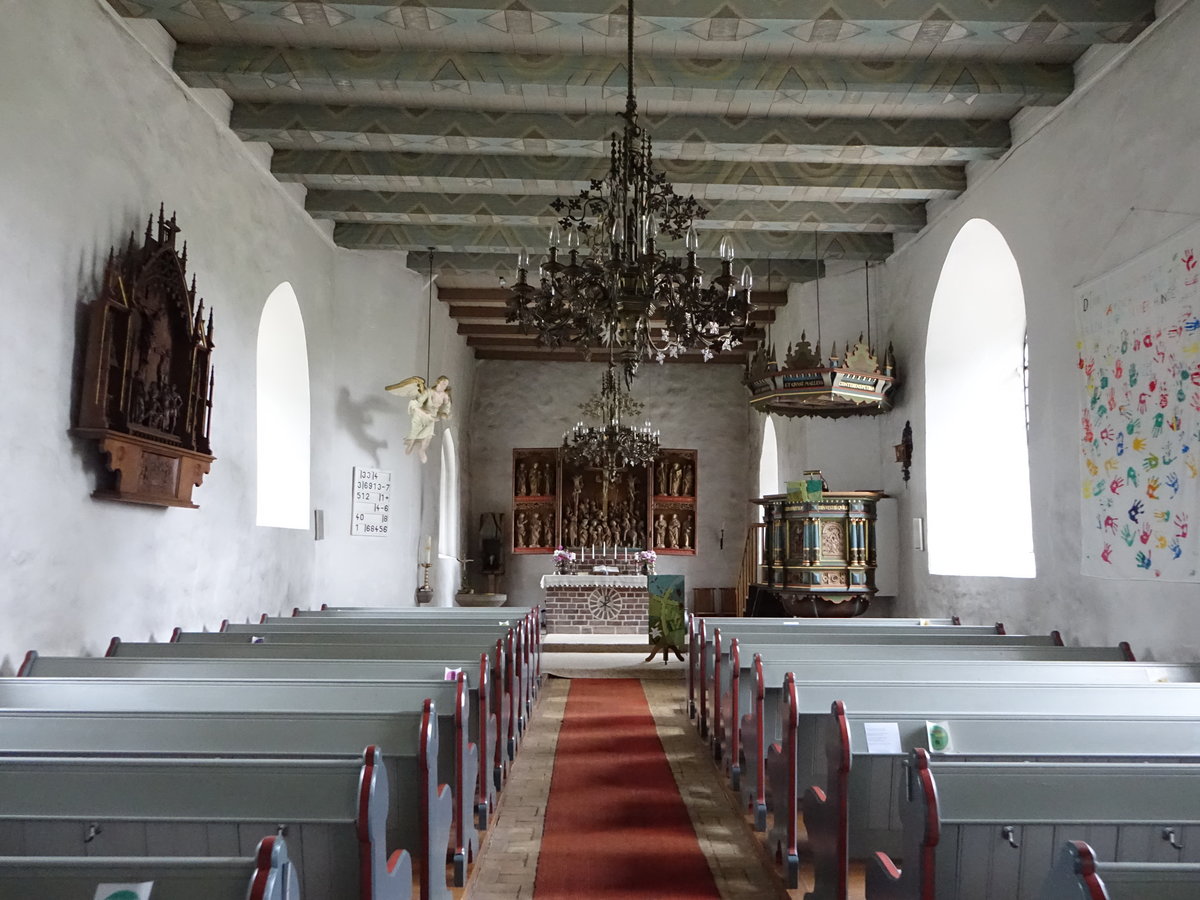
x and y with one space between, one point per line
147 380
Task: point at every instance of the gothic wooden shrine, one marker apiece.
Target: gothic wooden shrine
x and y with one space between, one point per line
147 379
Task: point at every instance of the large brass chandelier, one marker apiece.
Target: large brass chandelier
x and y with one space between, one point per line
617 288
612 447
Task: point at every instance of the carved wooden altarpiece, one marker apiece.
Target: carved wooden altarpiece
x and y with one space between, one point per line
147 379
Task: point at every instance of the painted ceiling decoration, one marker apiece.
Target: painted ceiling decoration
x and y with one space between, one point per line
454 125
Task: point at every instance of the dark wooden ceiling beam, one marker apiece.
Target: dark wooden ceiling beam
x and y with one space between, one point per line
535 211
913 141
593 84
755 247
1053 29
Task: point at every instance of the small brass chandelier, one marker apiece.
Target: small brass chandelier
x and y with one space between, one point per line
618 289
613 447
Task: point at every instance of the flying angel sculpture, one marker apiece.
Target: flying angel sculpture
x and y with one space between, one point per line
426 405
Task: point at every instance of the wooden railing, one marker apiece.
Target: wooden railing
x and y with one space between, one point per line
748 570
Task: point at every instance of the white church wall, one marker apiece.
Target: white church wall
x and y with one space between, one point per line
1073 200
94 133
695 406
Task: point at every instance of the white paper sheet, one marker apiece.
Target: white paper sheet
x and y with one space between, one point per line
883 737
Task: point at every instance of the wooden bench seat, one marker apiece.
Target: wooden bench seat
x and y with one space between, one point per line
266 875
446 653
701 628
334 812
991 830
526 620
424 810
1079 875
488 710
458 757
854 807
713 672
755 697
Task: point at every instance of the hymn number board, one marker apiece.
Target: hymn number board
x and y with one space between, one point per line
372 501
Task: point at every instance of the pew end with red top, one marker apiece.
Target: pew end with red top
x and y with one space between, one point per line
266 875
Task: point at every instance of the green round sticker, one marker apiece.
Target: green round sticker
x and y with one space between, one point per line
939 737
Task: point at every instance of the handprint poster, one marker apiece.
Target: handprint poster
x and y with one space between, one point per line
1139 366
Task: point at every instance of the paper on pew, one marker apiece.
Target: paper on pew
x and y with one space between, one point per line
883 737
452 674
139 891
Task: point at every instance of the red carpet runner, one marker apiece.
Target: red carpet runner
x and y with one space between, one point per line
615 824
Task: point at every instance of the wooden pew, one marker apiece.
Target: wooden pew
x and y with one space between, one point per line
990 830
714 678
446 654
530 617
487 718
1079 875
424 809
754 702
383 630
402 632
458 757
714 658
853 808
700 630
335 813
267 875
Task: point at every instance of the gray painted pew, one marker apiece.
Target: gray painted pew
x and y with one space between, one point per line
334 811
458 757
267 875
488 711
714 667
459 634
990 830
854 809
423 810
1079 875
798 761
714 657
754 702
700 630
431 652
703 662
529 616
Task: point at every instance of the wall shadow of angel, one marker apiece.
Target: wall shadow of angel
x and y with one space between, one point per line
426 405
357 417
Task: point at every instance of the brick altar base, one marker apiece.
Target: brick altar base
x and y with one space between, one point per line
596 609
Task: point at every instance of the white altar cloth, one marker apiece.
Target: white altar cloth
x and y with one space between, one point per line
589 580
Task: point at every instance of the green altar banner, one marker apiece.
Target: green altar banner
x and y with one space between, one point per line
666 611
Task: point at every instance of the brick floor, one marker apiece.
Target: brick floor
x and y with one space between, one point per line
736 855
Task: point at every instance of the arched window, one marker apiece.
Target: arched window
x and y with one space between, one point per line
449 526
976 449
768 462
283 413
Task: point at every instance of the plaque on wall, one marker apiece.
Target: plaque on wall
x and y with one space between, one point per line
147 377
372 503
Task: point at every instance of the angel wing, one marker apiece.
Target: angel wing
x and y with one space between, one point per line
410 387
